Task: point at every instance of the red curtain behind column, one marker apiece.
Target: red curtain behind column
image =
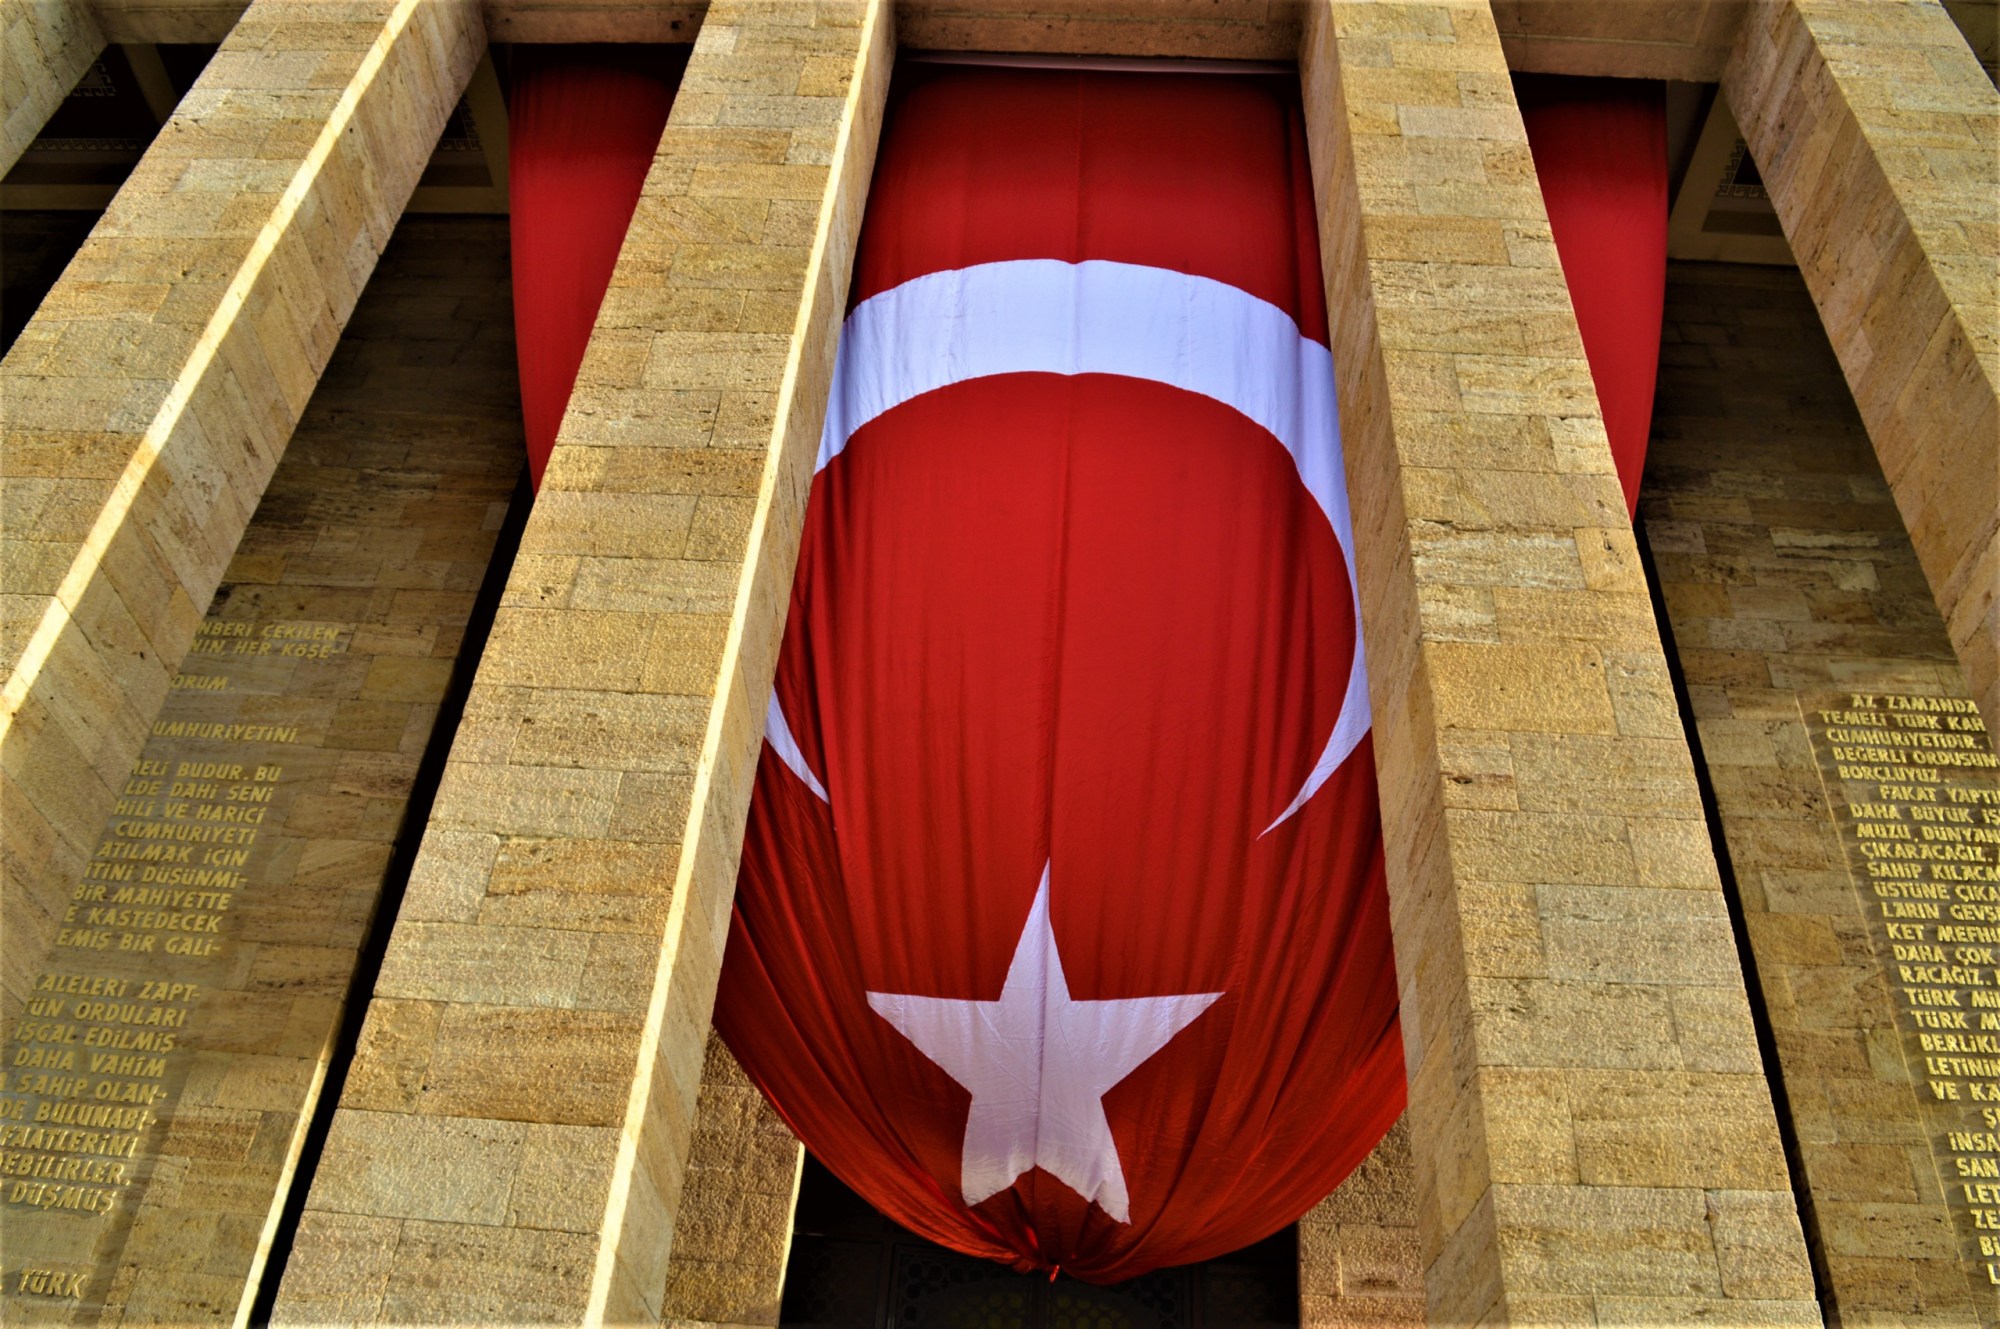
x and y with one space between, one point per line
1600 148
583 122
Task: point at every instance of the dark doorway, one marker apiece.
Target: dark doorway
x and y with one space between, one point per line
851 1268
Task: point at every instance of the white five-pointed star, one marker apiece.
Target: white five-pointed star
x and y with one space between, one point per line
1038 1064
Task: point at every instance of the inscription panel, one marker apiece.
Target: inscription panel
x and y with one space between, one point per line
155 1091
166 936
1913 787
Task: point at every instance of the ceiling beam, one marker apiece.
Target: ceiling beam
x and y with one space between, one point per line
1674 39
1688 40
506 20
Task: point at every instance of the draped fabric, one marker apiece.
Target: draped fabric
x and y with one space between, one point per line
583 123
1600 147
1060 932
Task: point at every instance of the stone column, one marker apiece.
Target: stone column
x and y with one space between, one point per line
515 1129
45 47
1875 128
1592 1135
146 404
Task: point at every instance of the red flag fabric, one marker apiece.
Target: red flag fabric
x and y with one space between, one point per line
583 123
1600 147
1060 933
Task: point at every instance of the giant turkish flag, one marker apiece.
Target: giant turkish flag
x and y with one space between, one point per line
1061 934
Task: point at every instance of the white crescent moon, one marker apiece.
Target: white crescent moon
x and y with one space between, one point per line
1049 317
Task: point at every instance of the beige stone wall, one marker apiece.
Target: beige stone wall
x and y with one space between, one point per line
1591 1132
1358 1253
45 47
734 1230
1787 576
1874 126
146 404
572 896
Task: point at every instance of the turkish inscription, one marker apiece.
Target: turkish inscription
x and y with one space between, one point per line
1915 791
157 1087
152 955
88 1068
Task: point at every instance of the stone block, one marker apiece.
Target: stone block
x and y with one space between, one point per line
341 1269
393 1165
483 962
1668 1128
1546 688
1551 848
392 1056
551 1184
1541 1023
526 800
1637 935
448 1273
563 1067
594 885
1606 1240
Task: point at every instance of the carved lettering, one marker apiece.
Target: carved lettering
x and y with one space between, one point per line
1932 867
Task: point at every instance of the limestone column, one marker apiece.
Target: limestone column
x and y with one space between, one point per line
514 1133
1875 129
45 47
146 404
1592 1135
